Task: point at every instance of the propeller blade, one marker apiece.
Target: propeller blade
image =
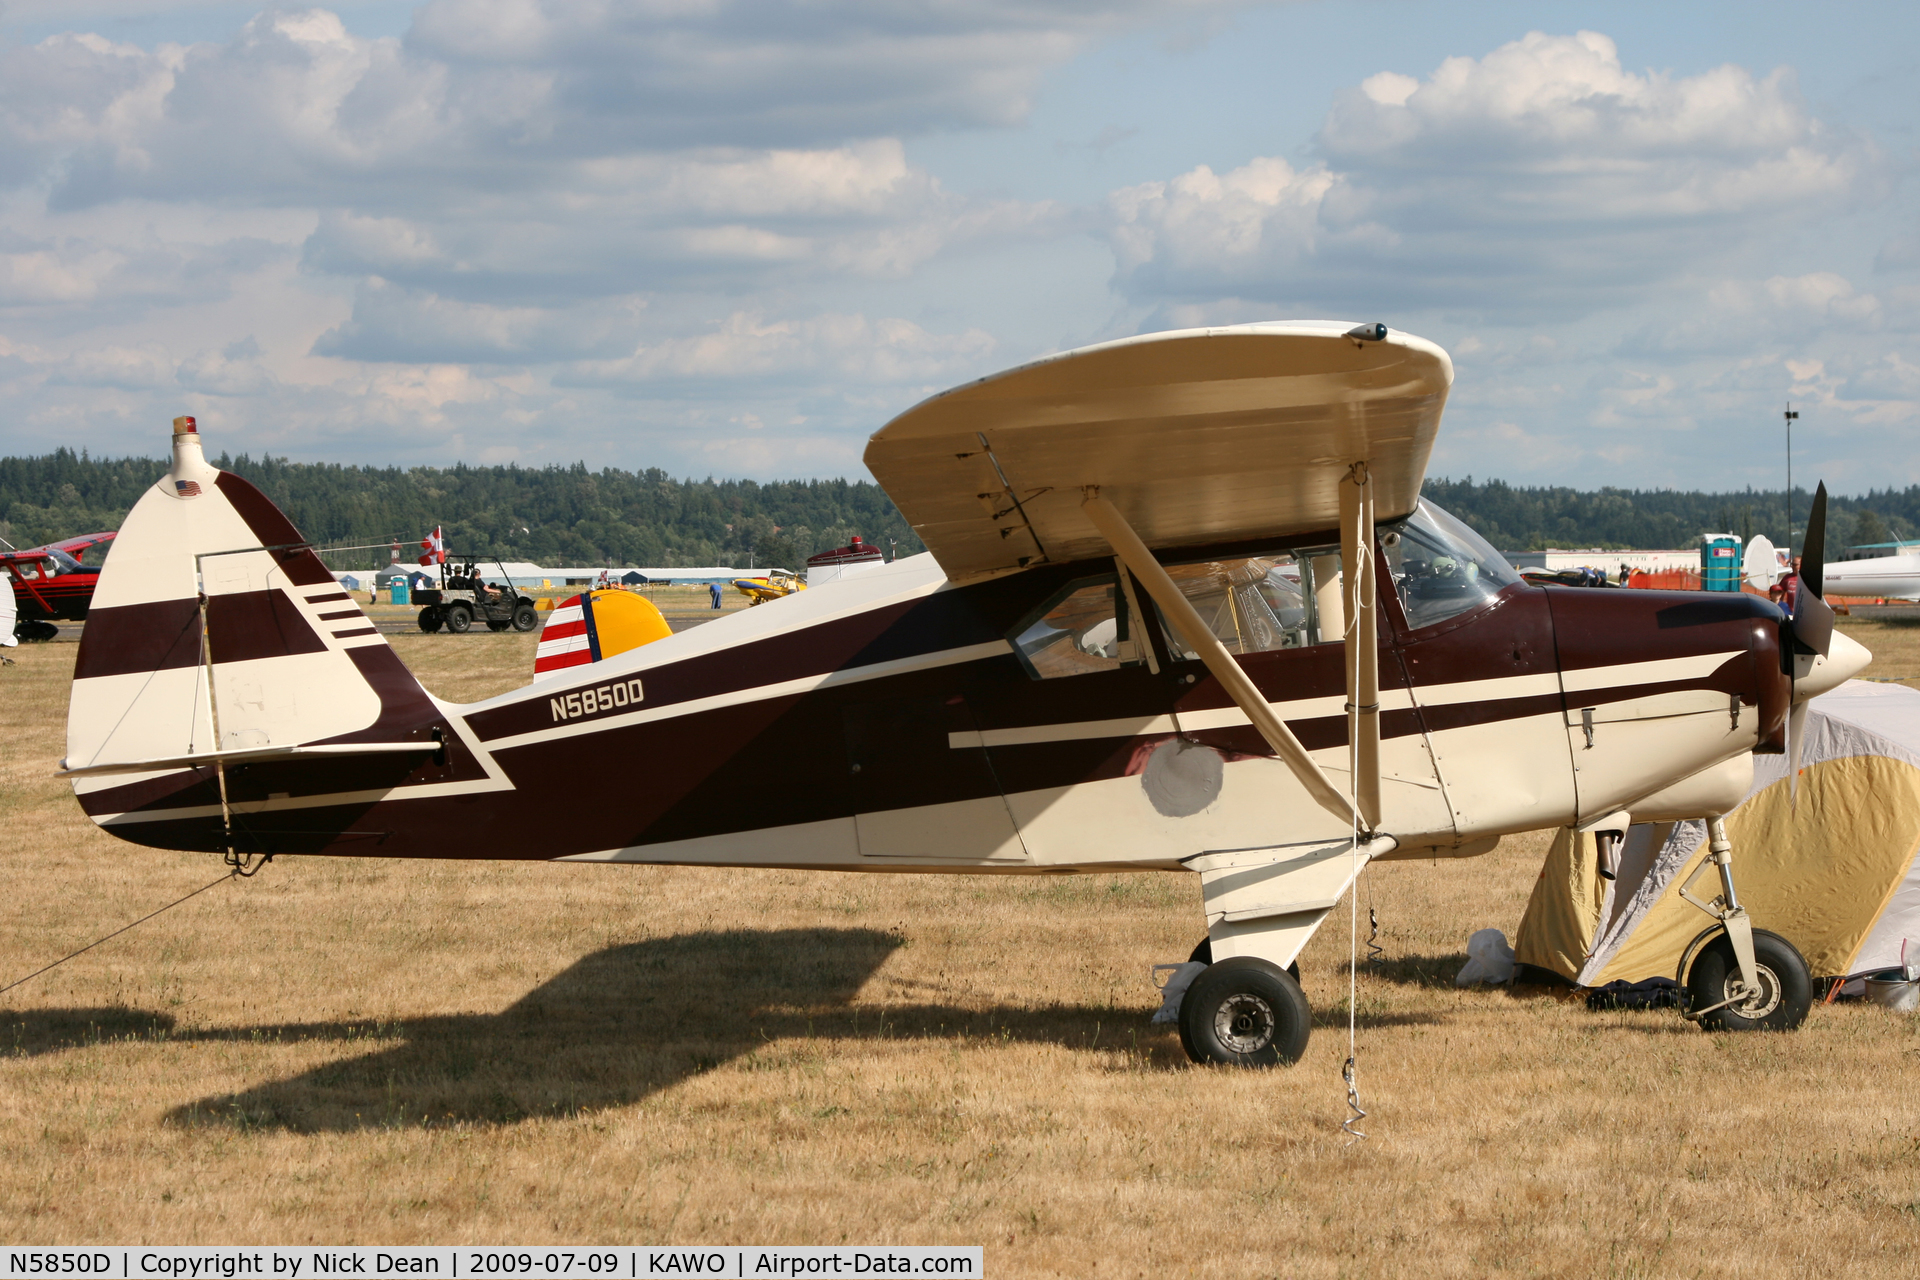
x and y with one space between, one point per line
1812 621
1813 552
1796 733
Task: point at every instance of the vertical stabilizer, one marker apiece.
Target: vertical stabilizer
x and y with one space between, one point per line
215 628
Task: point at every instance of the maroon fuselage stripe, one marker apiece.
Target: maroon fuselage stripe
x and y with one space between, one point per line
681 777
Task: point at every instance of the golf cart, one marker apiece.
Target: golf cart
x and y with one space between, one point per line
464 595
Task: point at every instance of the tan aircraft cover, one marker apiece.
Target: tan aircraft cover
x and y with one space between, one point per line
1835 875
1197 436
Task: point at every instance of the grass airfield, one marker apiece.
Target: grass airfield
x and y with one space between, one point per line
379 1051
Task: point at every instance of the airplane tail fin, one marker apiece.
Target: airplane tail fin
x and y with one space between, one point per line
217 636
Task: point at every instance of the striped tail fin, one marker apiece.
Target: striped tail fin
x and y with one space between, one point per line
217 639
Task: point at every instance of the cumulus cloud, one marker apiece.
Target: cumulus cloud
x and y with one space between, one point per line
493 95
1544 176
67 272
1749 315
828 347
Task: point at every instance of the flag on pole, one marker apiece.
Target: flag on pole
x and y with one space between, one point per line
435 546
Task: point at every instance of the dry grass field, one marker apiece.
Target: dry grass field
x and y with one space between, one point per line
379 1051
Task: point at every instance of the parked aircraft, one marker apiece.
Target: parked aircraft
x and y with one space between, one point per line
1889 577
1183 610
50 584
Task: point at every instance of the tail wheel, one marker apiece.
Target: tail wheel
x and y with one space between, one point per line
459 619
524 617
1786 989
429 619
1244 1012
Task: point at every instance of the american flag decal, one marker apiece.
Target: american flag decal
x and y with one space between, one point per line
187 488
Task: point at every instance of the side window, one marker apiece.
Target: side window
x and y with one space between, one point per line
1080 630
1283 600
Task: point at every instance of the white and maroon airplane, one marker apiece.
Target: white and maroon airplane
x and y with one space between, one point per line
1135 643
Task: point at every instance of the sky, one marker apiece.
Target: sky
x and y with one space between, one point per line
734 239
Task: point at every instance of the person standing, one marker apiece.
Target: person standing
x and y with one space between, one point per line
9 614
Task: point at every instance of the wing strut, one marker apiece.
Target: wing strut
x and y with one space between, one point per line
1362 639
1134 554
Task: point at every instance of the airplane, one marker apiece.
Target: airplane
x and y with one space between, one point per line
1182 610
774 584
1886 577
50 583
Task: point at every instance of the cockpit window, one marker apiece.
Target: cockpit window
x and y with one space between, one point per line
1281 600
1441 567
64 563
1082 629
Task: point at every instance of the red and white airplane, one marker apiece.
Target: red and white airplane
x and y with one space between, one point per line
50 584
1183 611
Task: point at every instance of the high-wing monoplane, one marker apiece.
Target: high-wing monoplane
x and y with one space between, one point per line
1183 611
50 584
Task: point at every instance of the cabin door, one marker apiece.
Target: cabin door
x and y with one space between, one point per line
923 787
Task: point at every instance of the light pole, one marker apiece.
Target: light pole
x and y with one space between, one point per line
1790 415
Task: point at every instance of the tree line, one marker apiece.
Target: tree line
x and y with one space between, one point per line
551 516
575 516
1517 518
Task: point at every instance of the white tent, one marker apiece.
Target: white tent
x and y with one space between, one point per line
1834 873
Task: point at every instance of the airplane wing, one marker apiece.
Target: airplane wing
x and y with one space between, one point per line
77 547
1196 436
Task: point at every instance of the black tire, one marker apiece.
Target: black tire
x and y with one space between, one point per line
429 619
525 618
36 631
1786 987
1203 954
459 619
1244 1012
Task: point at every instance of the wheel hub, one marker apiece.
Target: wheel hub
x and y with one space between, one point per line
1754 1004
1244 1023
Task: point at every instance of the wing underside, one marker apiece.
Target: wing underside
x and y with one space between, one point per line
1199 436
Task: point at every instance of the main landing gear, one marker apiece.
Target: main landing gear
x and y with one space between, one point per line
1244 1012
1739 978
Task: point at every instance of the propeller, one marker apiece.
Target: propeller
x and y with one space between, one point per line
1809 629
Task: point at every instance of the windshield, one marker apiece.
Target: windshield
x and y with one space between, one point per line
1441 567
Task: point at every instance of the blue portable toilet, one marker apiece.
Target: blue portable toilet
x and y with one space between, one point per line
1719 562
398 590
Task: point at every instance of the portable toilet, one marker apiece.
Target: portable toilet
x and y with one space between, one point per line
398 591
1720 562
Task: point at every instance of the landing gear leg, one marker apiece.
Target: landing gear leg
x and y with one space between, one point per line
1246 1009
1740 978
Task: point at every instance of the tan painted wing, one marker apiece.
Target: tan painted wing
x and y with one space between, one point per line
1197 436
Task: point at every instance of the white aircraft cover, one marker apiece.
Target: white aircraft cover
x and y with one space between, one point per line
9 612
1197 436
1835 873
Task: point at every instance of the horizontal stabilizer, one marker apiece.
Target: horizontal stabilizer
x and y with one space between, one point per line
250 755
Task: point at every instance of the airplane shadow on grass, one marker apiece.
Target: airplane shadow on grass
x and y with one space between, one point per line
619 1025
